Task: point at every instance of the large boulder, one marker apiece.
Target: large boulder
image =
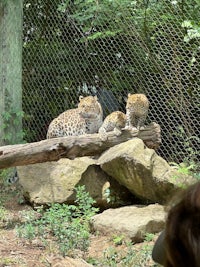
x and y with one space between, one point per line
123 172
131 221
142 171
50 182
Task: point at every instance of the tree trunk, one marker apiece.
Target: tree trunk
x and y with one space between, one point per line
11 71
73 146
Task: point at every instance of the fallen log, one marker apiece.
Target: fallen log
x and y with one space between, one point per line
73 146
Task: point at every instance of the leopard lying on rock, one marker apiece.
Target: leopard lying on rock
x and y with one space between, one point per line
137 107
113 122
116 119
86 119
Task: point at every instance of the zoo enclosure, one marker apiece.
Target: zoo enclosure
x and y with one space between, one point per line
109 49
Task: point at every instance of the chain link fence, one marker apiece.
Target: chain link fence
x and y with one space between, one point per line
110 48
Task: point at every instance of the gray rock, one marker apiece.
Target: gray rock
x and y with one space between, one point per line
131 221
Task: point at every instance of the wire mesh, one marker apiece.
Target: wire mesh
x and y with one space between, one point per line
109 49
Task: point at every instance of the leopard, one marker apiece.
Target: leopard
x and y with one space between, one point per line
115 121
137 107
87 118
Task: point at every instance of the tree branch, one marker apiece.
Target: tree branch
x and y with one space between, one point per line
73 146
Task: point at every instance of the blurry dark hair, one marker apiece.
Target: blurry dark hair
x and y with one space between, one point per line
182 238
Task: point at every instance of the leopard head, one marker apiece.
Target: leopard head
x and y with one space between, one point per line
89 107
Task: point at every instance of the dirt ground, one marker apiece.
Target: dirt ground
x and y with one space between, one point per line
18 252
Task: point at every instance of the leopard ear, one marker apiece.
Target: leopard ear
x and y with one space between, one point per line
95 98
81 97
129 94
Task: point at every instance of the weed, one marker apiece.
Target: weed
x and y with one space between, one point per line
183 167
111 257
118 240
27 231
130 255
138 257
149 237
190 151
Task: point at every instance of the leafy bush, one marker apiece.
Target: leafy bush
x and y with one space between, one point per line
69 224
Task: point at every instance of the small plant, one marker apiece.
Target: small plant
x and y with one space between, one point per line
69 224
189 156
111 257
118 240
27 231
84 204
149 237
182 167
137 256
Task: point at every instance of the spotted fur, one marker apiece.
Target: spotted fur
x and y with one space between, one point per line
116 119
86 119
137 107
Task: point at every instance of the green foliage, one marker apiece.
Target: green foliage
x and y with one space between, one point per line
84 203
126 258
183 168
129 256
193 30
118 239
189 154
4 174
69 224
149 237
28 231
192 35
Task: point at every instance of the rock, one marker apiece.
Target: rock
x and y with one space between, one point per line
142 171
67 262
122 172
131 221
104 189
50 182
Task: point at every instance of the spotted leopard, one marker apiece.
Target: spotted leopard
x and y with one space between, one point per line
137 107
86 119
115 120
